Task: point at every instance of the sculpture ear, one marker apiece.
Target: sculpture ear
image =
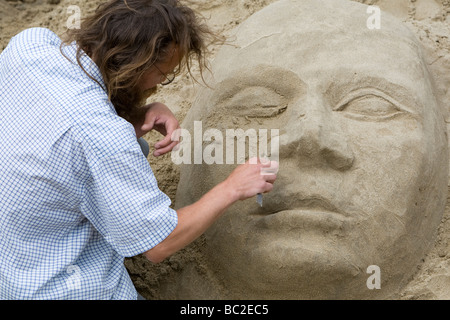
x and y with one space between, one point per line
436 55
438 63
446 98
444 88
440 69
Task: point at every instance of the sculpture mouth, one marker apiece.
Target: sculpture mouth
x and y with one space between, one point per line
315 203
303 214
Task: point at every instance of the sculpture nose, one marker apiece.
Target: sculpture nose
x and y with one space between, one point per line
314 137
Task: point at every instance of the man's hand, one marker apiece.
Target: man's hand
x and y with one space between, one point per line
159 117
253 177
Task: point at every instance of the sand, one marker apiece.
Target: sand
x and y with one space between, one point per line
430 19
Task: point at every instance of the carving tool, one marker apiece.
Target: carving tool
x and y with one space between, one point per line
259 199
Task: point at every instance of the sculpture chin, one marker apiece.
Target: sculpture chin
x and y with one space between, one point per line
287 270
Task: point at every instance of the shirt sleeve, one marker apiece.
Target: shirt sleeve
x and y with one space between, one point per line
125 205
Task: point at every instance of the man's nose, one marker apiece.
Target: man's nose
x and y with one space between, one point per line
314 137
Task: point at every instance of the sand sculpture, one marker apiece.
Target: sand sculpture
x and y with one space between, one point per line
363 158
187 272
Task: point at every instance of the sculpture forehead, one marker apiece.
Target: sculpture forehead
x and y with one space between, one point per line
306 32
327 50
306 16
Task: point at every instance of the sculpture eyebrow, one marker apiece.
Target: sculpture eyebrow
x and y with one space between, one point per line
337 91
282 81
260 38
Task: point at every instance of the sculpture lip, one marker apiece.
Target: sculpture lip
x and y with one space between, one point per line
304 213
315 203
294 202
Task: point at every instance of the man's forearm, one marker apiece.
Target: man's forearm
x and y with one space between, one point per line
194 220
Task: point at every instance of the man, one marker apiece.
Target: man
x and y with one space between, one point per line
77 194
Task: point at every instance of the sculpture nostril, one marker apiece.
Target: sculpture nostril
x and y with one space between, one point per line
337 160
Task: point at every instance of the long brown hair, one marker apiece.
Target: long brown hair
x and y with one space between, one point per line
126 37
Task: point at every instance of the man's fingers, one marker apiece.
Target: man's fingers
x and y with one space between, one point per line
269 168
163 150
270 178
164 142
268 187
173 135
259 160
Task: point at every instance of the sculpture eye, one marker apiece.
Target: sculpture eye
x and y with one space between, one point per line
257 102
371 106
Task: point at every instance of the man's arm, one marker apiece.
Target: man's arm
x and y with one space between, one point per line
244 182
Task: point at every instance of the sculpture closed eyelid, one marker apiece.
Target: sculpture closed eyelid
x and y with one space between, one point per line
370 104
256 102
371 107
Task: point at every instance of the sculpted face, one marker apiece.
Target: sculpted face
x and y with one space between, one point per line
362 177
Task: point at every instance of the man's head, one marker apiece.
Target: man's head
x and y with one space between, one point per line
363 153
138 44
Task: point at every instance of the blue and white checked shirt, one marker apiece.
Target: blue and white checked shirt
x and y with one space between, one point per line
77 195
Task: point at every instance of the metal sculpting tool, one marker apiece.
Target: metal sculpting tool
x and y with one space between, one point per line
259 199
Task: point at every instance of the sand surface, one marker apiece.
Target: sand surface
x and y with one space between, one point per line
430 19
